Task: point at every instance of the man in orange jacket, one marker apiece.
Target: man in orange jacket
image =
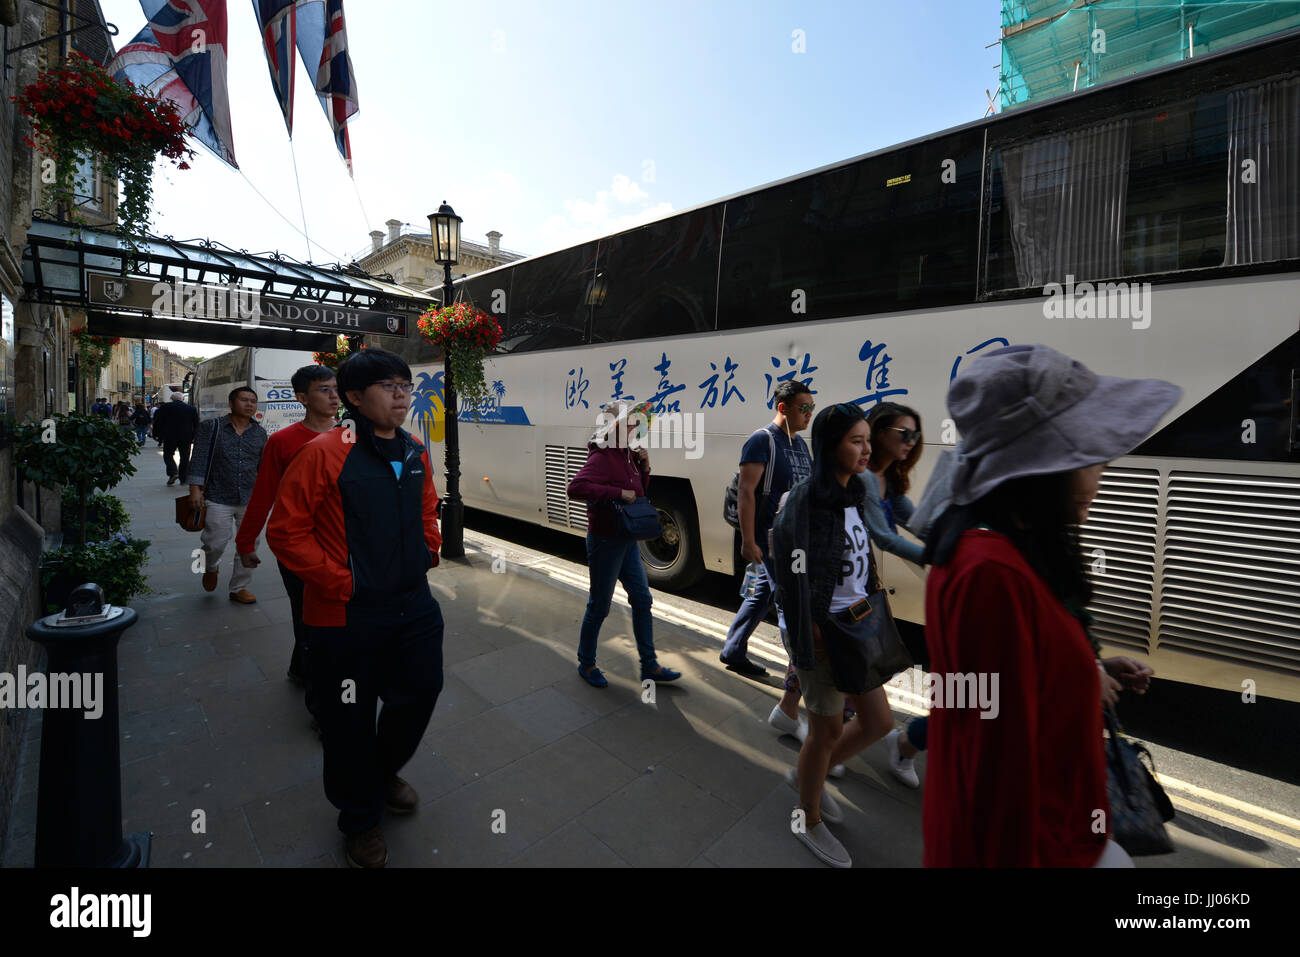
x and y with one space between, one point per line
356 520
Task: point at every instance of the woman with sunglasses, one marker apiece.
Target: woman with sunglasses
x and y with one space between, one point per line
821 555
896 446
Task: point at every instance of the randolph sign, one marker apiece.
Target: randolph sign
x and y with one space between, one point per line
235 303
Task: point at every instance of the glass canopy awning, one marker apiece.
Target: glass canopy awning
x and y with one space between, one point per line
206 287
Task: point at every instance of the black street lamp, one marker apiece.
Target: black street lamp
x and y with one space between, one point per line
444 227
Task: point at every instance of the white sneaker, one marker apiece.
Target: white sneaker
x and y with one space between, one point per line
902 767
838 771
784 723
825 845
830 810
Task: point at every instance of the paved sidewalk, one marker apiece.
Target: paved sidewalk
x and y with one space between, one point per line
579 776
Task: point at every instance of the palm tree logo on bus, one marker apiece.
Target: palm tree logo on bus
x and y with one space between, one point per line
427 409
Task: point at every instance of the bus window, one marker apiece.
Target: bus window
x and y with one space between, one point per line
895 231
546 304
1264 202
658 280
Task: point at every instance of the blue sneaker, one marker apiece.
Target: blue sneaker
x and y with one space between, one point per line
660 674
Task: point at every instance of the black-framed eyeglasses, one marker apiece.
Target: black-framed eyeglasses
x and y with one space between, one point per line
909 435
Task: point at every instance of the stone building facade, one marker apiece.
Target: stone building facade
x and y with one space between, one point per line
407 255
35 342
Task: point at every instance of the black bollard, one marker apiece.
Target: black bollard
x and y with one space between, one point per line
79 802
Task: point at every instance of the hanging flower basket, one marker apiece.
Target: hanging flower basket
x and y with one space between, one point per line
77 109
332 360
465 335
95 351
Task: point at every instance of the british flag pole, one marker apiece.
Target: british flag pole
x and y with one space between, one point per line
180 55
322 41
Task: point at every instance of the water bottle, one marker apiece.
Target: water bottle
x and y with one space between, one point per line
750 584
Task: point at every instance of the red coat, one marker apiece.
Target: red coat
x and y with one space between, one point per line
601 481
1028 787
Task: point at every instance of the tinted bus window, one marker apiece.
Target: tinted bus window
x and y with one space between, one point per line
658 280
898 231
546 304
1142 193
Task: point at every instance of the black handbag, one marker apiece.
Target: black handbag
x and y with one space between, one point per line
1139 807
865 649
638 521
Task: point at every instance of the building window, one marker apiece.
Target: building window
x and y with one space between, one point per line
87 191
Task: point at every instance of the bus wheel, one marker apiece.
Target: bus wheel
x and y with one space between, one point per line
672 561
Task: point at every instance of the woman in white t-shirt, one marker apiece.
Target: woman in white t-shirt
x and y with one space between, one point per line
821 555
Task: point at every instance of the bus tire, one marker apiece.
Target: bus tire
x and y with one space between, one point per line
672 561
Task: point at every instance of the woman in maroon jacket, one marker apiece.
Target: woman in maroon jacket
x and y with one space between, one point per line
1018 778
613 474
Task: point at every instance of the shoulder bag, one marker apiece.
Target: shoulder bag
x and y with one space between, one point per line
187 516
1139 807
731 500
638 520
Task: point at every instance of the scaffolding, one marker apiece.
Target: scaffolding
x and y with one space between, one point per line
1051 47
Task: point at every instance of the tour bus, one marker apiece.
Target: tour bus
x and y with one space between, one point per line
266 371
1147 227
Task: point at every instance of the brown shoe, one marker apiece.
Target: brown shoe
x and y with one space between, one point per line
243 596
210 581
367 849
402 798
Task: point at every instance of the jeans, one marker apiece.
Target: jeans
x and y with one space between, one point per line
390 652
140 432
916 732
611 560
752 611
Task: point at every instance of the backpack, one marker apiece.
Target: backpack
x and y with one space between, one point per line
731 500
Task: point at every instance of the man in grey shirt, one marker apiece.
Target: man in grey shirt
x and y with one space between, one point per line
228 468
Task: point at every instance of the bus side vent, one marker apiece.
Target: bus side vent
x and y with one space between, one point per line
562 464
1231 584
1119 548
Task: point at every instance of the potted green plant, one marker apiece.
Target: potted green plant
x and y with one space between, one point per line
79 453
105 516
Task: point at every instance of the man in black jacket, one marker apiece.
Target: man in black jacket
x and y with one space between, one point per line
175 423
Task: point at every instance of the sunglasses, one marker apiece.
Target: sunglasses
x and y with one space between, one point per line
909 435
847 408
806 407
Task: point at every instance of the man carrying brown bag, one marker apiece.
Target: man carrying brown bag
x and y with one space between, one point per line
222 474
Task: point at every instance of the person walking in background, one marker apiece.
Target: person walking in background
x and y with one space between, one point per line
153 418
821 554
778 449
317 390
227 452
357 520
122 416
175 424
614 474
140 421
896 446
1007 597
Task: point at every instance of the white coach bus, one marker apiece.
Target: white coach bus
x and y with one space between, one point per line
266 371
1149 227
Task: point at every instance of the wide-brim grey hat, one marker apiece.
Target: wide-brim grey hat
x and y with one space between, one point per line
1030 410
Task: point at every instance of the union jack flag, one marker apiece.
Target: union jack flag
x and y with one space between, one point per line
278 21
323 44
180 56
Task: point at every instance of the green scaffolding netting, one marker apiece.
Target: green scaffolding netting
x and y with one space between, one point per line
1050 47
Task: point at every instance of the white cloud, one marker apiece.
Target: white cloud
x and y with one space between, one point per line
623 205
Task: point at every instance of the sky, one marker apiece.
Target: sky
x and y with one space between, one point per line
558 121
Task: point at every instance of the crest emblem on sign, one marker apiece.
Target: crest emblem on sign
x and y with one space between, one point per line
114 290
393 323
